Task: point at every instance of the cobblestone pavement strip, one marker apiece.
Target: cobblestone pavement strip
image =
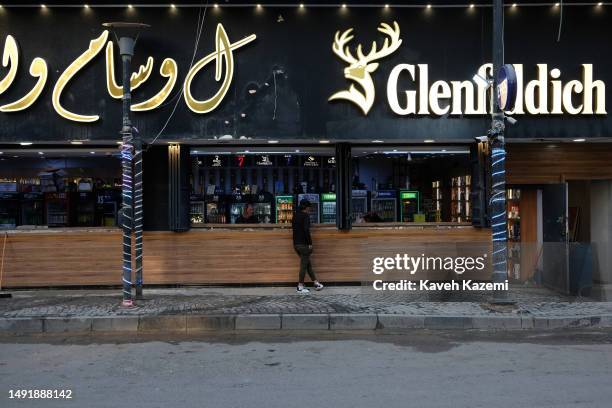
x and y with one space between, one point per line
352 300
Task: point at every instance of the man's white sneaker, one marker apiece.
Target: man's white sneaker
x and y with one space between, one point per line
302 290
318 286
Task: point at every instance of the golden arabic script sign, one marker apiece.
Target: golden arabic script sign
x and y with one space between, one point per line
222 56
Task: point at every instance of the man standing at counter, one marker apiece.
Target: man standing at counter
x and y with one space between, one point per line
302 243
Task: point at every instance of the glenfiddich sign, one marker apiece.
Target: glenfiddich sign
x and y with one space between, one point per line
547 94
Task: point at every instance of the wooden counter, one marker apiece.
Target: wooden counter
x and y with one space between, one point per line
91 256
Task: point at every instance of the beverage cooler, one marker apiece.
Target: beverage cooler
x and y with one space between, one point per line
262 207
9 210
108 201
359 204
328 208
216 205
284 209
236 206
314 209
197 206
32 209
57 209
84 204
384 204
409 205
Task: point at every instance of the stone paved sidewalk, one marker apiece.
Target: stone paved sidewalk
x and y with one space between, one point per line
343 300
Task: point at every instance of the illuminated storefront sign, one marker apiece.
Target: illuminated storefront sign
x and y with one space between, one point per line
223 57
542 96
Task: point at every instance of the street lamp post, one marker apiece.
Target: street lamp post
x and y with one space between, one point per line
128 34
497 201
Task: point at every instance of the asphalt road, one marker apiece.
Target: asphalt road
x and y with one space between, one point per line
423 369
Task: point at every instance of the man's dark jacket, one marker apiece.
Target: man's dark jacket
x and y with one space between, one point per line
301 229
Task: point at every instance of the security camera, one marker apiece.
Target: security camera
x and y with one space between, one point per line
511 120
481 138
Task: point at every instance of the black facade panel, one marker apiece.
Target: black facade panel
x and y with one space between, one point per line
293 70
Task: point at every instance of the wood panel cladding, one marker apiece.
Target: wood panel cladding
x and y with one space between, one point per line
538 163
74 258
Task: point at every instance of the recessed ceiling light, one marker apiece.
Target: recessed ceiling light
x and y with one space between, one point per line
92 152
25 143
471 6
429 6
172 6
272 141
579 140
302 5
86 6
377 141
297 150
76 142
386 6
43 6
513 5
428 141
556 4
323 141
40 153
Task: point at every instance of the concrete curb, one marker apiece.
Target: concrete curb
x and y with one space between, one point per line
305 322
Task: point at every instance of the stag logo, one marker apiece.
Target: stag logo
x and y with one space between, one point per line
360 69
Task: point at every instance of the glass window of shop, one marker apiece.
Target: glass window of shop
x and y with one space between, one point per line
421 184
59 188
261 185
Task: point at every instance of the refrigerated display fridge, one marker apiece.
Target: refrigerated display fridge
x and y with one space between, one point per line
384 204
328 208
57 209
84 209
108 201
262 207
314 209
359 204
216 209
9 210
236 207
196 209
409 205
32 209
284 209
